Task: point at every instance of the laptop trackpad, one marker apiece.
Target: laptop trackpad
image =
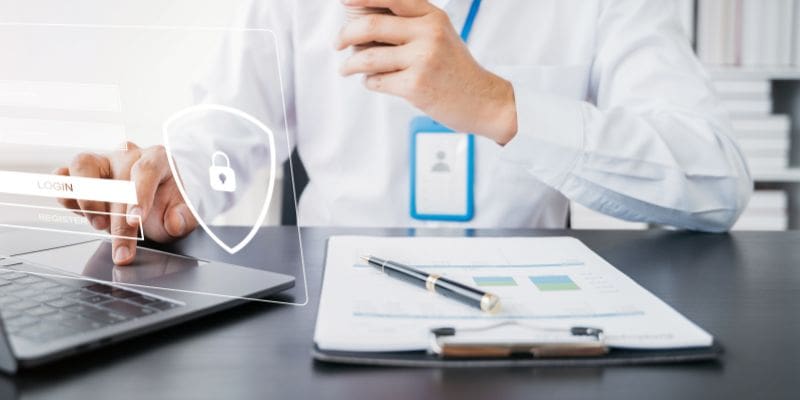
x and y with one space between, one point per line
93 260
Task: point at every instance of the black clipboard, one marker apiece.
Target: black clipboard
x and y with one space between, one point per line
469 347
612 357
615 357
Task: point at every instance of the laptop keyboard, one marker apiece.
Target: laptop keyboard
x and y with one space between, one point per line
41 309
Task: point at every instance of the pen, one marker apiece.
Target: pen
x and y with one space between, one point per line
486 302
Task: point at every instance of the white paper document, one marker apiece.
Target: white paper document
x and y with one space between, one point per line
550 282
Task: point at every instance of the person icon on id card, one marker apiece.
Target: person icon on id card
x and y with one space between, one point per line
441 165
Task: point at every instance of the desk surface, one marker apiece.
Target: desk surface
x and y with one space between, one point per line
744 288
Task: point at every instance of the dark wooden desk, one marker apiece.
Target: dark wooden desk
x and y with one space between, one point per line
744 288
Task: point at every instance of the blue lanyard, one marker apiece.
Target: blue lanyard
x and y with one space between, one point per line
473 12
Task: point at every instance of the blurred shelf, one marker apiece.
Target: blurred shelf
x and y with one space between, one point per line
790 175
771 73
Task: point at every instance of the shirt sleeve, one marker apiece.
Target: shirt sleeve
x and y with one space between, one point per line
652 143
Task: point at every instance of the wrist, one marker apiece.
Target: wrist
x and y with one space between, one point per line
501 117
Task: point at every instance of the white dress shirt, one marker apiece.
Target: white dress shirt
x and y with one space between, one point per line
614 112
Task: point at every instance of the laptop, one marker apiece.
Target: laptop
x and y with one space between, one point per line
61 295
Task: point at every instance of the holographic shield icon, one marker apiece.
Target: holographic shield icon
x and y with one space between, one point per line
223 160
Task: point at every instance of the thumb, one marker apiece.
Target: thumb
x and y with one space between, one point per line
179 221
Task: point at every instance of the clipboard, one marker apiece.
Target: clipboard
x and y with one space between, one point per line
615 357
546 347
338 324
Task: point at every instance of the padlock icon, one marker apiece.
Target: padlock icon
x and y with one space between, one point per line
222 178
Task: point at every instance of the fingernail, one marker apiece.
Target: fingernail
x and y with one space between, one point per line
181 224
98 222
121 254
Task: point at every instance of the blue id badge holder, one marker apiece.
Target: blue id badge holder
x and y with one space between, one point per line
442 172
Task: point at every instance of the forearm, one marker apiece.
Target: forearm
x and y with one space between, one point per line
666 166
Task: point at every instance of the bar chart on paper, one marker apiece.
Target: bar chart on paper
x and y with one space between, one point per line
528 291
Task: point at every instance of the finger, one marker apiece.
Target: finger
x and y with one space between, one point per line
376 60
375 28
88 165
123 249
128 146
392 83
71 204
403 8
149 171
179 221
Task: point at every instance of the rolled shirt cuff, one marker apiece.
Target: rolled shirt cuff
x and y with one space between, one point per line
550 137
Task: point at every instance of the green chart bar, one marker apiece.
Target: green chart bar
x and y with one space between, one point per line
494 281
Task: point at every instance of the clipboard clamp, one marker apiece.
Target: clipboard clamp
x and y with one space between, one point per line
577 341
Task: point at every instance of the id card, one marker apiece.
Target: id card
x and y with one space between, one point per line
442 172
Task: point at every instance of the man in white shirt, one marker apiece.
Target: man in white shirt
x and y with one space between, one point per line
597 101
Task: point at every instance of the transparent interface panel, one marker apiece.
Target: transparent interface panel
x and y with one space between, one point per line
102 126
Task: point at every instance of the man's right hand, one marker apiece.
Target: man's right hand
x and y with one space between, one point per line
164 215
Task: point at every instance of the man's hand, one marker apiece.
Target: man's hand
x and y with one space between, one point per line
429 66
160 206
